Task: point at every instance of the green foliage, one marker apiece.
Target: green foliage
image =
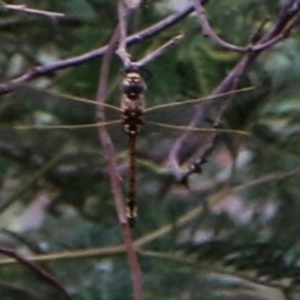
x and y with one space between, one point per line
240 238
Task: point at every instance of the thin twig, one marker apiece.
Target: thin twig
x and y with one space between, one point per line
22 8
196 263
156 53
208 31
156 234
122 52
41 273
108 147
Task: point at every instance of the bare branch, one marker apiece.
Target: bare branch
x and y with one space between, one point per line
158 52
108 147
282 27
148 238
110 154
83 58
132 4
123 14
22 8
207 30
37 270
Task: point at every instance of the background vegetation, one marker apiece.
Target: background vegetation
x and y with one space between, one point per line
233 234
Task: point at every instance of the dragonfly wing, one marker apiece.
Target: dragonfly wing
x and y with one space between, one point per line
36 127
158 143
178 138
50 122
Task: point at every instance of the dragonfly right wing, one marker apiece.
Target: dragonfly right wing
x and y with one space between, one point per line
180 133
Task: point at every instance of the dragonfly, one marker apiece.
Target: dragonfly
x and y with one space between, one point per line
132 116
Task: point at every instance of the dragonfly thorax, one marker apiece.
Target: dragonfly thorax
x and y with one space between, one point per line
132 103
132 118
133 85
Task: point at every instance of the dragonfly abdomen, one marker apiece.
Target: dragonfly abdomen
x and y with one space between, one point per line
131 207
132 121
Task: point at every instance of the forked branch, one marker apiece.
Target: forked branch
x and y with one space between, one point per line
139 37
281 29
